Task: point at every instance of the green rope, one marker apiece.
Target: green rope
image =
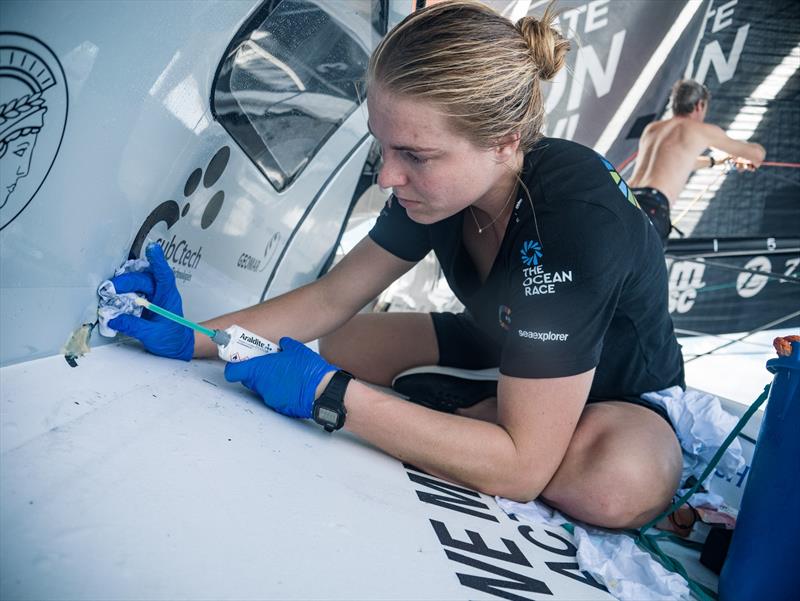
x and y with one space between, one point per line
714 460
700 591
671 537
649 542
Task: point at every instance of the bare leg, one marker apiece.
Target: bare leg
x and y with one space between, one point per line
375 347
486 410
621 468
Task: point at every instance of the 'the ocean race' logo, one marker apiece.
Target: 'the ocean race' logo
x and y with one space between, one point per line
535 280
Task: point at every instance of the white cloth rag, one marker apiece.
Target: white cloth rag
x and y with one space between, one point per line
112 304
702 426
626 570
612 558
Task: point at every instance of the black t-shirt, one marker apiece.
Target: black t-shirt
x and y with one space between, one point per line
577 284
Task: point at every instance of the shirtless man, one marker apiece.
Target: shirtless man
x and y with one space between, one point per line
670 150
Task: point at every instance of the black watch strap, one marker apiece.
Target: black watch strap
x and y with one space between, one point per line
329 410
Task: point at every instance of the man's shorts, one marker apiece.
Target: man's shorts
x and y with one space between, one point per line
656 206
463 345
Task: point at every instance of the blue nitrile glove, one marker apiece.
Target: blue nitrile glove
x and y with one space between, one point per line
159 335
286 380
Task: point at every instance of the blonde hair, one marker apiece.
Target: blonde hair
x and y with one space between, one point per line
474 65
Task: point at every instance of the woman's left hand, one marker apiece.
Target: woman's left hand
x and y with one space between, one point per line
286 380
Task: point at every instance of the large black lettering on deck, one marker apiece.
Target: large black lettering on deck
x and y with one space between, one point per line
452 497
512 581
493 586
565 568
569 549
477 545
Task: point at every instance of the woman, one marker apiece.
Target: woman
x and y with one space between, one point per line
562 275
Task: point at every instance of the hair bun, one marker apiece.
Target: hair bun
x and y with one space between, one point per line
547 46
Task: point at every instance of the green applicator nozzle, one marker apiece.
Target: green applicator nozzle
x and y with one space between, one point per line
233 344
220 337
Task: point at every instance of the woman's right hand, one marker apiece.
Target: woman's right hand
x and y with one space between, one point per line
159 335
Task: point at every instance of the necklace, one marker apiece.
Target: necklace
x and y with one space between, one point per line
503 210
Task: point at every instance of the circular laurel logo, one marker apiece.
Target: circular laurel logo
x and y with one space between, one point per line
33 115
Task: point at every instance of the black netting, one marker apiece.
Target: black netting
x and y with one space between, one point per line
767 202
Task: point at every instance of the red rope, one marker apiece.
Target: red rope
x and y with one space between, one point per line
776 164
626 161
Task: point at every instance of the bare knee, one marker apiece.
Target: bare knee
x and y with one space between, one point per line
345 347
636 493
375 347
626 496
330 344
614 482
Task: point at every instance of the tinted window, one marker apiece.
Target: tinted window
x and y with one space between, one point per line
291 77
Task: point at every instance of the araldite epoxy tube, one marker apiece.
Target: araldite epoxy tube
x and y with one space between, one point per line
233 344
237 344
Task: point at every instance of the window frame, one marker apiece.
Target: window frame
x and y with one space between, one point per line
267 165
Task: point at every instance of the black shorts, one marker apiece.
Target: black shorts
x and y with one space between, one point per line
463 345
656 206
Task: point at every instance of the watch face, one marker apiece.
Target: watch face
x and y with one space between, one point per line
329 410
327 415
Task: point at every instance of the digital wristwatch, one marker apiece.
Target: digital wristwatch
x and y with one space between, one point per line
329 411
